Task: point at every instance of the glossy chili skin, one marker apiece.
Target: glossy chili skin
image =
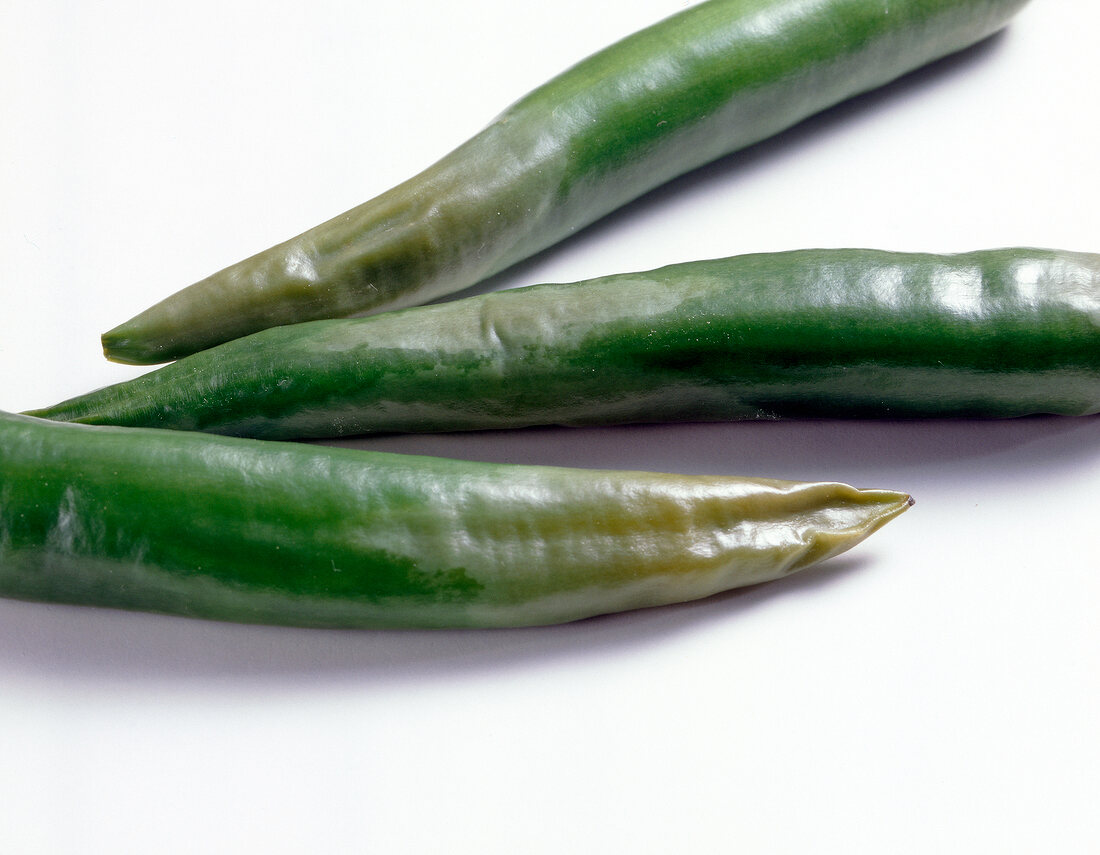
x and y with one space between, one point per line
296 534
708 81
808 333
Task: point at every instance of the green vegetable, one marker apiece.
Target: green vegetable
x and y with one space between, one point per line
708 81
289 533
809 333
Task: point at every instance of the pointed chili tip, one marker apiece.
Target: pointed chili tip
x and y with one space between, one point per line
120 345
114 343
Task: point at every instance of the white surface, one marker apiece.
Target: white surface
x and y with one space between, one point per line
934 691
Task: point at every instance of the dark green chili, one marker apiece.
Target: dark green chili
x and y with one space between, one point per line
290 533
807 333
708 81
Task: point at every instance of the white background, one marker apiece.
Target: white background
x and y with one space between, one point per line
936 690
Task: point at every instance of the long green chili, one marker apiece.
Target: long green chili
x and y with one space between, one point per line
290 533
705 82
829 333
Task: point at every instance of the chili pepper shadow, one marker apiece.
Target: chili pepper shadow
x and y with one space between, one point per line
864 452
104 647
785 144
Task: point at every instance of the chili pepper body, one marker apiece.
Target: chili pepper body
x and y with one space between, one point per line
708 81
288 533
808 333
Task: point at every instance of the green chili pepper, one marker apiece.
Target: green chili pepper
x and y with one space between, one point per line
828 333
289 533
708 81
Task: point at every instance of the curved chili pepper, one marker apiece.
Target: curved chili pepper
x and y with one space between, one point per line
289 533
698 85
828 332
